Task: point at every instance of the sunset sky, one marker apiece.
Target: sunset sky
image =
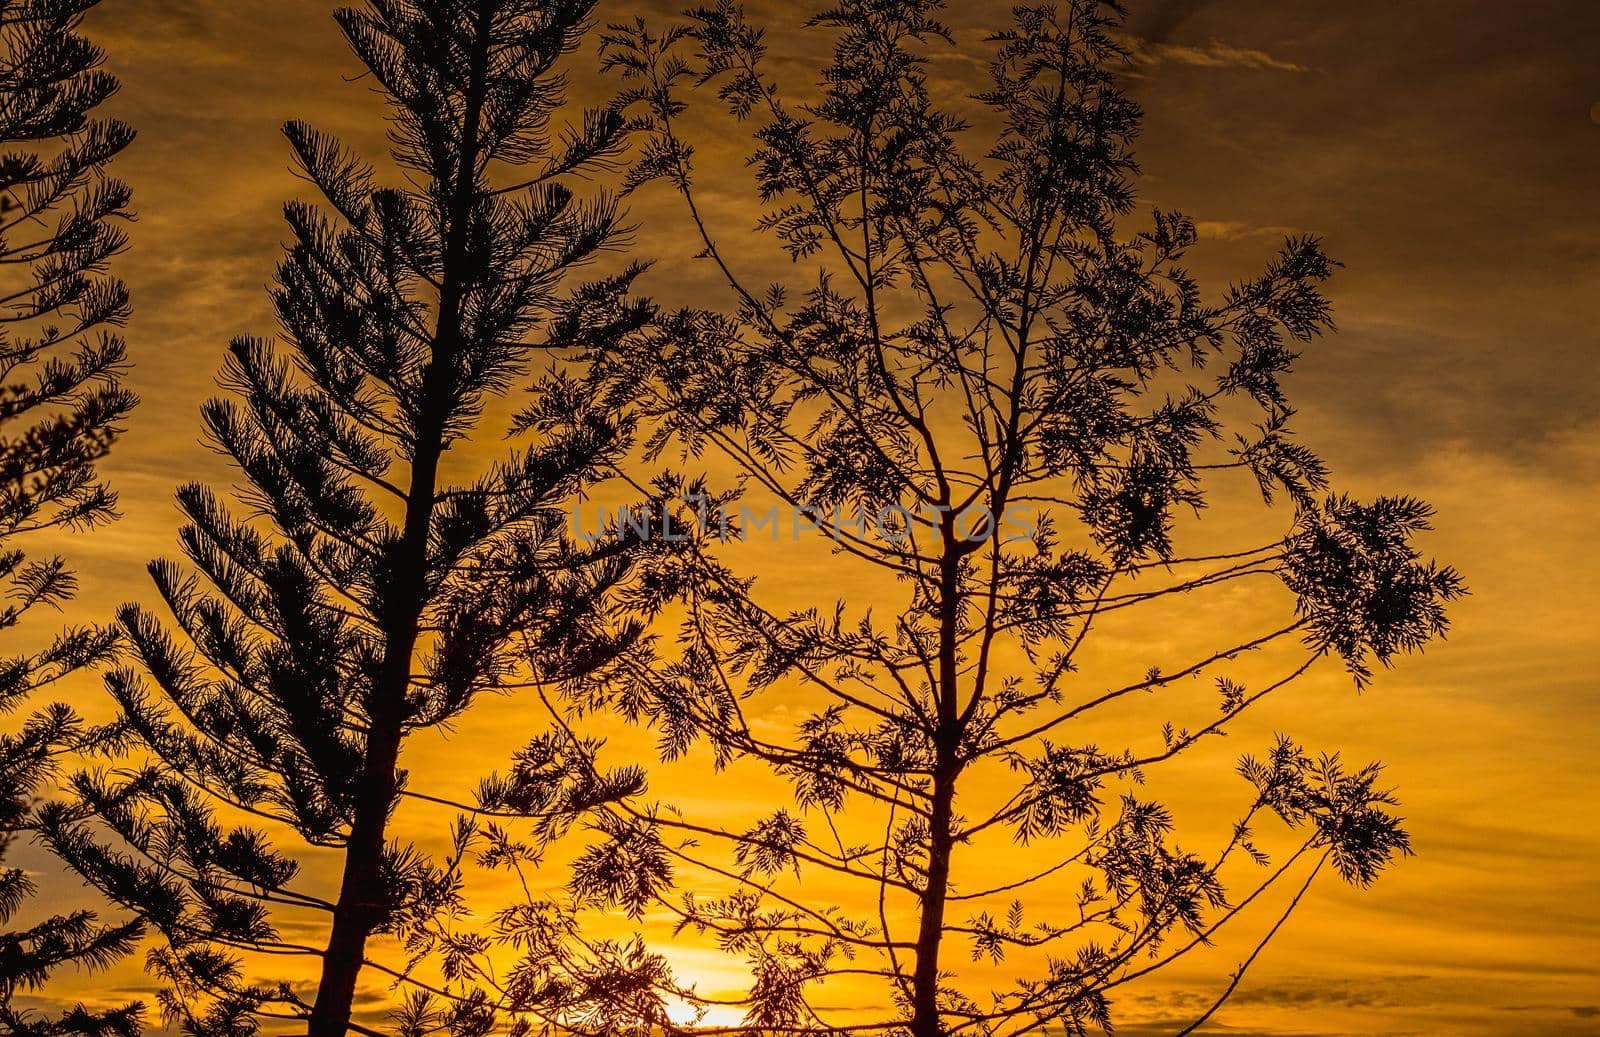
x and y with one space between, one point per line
1449 153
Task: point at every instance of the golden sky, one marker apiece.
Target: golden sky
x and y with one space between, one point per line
1447 151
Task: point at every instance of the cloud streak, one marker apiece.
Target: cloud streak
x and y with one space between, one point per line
1146 54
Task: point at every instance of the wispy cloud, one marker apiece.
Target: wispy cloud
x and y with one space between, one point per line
1216 54
1157 22
1237 230
1578 1011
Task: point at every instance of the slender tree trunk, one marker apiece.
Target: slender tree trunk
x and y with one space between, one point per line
925 1021
359 909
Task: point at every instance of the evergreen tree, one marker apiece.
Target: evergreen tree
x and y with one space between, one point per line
997 391
60 408
363 588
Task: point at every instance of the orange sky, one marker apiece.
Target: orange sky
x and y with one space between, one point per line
1447 152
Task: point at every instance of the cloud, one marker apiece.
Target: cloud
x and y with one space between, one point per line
1302 996
1166 1027
1157 22
1216 54
159 29
1150 32
1581 1011
1238 230
1306 993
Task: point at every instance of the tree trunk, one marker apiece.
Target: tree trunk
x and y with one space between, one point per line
359 909
925 1021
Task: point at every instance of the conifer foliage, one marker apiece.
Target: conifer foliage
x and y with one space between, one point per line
61 222
360 588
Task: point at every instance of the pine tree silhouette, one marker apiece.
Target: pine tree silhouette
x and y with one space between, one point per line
358 591
60 409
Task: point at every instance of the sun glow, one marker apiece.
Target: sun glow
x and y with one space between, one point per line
711 1017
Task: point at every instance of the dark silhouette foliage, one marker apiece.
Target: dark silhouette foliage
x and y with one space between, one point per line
979 323
61 222
360 588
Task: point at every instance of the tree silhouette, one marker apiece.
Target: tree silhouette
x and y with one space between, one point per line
60 409
996 393
361 590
